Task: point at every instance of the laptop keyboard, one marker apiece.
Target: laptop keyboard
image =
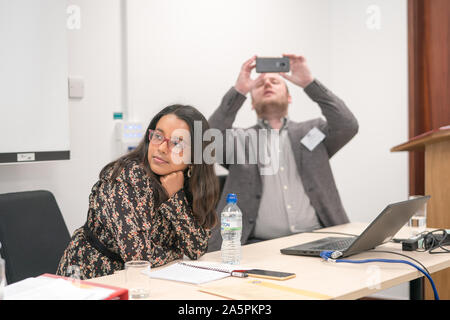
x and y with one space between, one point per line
336 245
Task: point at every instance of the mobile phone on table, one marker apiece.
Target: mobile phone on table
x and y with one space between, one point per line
266 65
268 274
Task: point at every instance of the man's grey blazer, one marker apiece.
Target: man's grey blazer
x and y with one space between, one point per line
313 166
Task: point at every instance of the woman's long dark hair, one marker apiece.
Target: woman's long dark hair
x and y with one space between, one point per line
201 189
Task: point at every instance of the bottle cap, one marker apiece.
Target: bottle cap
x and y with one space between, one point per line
231 198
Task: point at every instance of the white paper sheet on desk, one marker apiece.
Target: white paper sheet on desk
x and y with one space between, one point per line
184 273
43 288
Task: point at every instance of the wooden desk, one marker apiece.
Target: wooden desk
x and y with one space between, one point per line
315 277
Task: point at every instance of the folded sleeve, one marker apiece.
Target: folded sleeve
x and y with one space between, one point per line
191 238
222 120
341 125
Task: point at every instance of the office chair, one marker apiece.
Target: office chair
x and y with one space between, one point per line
222 180
32 233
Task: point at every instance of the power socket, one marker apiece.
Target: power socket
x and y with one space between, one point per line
76 87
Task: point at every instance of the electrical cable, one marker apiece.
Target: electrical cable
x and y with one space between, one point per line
403 255
381 251
437 243
331 255
430 241
432 244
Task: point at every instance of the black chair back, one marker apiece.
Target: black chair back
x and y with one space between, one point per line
32 233
222 180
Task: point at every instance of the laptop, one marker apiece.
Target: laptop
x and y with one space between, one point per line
380 231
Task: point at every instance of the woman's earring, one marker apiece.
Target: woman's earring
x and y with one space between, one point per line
189 173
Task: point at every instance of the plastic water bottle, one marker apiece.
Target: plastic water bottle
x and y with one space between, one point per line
231 230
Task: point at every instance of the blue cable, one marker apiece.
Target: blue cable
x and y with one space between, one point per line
328 255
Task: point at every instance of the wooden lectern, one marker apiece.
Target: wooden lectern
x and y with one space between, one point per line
436 145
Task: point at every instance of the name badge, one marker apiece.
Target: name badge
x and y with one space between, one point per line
313 138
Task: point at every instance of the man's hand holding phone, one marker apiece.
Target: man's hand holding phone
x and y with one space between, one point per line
300 73
245 83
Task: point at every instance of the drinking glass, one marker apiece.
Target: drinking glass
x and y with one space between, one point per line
137 282
418 222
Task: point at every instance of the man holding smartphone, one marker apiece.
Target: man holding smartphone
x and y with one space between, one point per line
301 195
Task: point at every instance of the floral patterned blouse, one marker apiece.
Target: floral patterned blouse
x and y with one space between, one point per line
123 217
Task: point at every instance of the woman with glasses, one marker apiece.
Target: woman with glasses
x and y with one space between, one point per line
152 204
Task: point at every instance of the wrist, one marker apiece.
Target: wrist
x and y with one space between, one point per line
241 89
303 84
175 192
172 193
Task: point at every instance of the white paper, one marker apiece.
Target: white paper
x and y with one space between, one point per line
45 288
313 138
184 273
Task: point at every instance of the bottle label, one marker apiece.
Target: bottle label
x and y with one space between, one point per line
230 225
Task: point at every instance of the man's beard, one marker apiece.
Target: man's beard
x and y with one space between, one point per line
271 109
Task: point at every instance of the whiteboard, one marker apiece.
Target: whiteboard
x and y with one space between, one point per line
33 81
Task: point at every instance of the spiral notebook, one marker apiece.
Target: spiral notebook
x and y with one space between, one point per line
193 272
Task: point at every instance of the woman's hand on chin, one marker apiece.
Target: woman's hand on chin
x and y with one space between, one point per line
173 182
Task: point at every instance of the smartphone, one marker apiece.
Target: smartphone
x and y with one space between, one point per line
267 274
265 65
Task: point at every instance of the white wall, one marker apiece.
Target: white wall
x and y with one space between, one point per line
191 52
369 72
94 54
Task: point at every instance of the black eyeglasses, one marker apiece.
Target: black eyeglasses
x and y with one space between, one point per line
174 144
